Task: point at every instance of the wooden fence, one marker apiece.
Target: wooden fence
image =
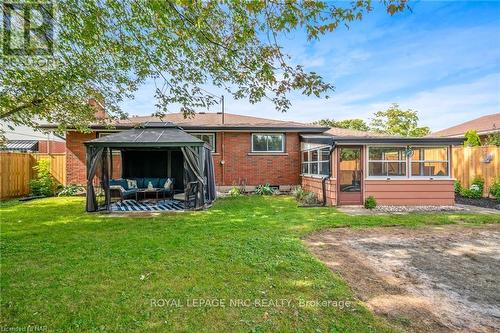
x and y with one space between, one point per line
469 162
16 170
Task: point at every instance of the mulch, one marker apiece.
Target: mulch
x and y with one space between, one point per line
483 202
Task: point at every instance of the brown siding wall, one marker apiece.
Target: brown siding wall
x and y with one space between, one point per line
313 184
411 192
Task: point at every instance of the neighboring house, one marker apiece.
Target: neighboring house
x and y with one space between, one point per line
35 146
25 139
484 126
343 166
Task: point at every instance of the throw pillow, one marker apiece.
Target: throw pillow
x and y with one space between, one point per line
132 183
168 184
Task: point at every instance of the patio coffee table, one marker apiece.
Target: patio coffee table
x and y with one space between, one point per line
145 192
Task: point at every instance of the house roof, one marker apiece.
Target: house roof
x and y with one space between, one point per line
482 125
150 134
21 145
204 121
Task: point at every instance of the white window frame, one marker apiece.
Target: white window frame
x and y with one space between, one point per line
308 151
448 153
269 151
408 163
367 162
213 134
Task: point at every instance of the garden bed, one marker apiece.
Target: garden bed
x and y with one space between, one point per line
483 202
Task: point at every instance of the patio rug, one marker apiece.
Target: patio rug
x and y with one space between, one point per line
132 205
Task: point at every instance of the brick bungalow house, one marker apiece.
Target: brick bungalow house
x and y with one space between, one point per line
341 166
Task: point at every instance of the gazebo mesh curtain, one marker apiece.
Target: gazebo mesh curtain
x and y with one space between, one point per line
198 166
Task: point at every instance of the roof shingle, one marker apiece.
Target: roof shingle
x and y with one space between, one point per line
482 125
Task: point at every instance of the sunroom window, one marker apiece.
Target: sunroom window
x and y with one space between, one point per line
316 161
430 162
387 161
272 143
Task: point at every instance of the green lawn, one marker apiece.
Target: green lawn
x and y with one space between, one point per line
66 270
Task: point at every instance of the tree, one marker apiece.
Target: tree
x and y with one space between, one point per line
493 139
472 139
355 124
395 121
106 49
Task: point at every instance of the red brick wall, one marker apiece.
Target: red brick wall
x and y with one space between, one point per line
76 168
243 167
240 167
54 147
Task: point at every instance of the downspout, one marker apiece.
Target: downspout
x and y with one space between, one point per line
323 180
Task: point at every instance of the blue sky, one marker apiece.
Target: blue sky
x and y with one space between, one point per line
442 59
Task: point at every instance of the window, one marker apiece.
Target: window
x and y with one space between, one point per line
316 161
272 143
387 161
208 138
430 162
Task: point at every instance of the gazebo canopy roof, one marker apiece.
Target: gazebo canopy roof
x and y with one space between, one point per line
150 134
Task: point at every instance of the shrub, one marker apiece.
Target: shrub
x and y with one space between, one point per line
370 202
235 191
71 190
458 186
298 193
495 189
472 139
479 182
310 199
493 139
472 193
43 184
264 190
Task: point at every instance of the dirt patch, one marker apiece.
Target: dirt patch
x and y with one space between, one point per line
432 279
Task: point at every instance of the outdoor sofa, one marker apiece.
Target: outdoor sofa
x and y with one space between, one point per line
120 187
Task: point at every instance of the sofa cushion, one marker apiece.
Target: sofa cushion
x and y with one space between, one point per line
129 193
140 182
119 182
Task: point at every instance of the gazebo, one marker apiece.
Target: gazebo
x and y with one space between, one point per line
153 149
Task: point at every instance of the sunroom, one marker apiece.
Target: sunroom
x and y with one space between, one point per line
394 170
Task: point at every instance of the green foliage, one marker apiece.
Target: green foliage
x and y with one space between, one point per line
71 190
476 189
479 182
234 191
107 49
310 199
264 190
472 139
493 139
472 193
298 193
457 186
495 189
370 202
355 124
395 121
43 184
